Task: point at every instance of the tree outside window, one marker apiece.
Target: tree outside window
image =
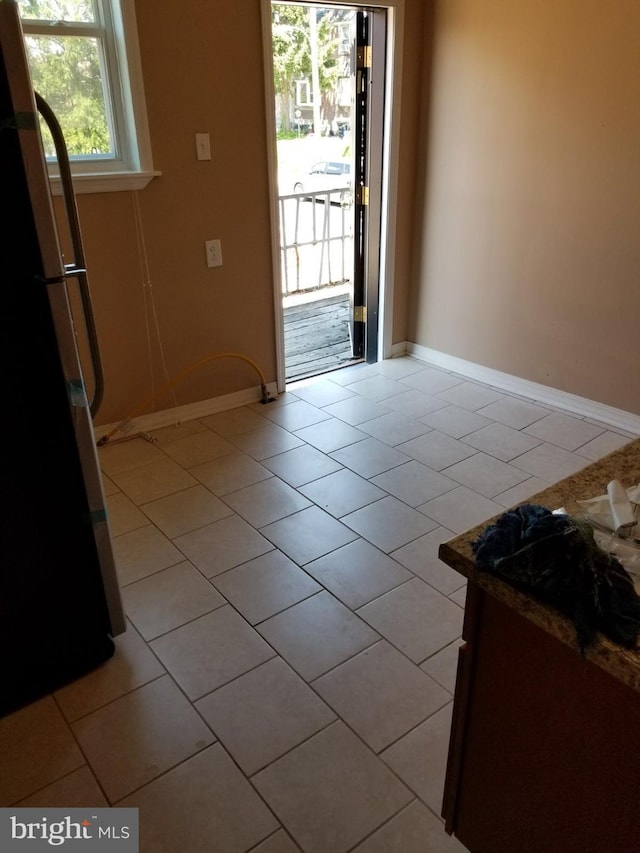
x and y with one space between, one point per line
309 47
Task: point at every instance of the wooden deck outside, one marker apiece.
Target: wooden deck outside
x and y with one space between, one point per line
317 336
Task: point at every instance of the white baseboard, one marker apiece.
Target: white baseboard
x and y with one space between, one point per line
191 411
608 415
400 349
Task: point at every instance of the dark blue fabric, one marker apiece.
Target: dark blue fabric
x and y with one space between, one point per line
516 528
556 558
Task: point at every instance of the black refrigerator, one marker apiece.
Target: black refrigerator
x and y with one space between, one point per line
60 604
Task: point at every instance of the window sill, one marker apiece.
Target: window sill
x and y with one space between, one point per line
106 182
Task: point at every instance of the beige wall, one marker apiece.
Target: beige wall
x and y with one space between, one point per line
203 72
523 254
414 56
528 216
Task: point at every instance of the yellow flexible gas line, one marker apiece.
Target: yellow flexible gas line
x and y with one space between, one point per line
142 406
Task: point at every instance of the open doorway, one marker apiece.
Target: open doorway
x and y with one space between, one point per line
329 71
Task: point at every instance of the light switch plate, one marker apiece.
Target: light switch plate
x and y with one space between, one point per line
203 146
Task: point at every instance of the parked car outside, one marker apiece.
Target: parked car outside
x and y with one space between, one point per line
324 176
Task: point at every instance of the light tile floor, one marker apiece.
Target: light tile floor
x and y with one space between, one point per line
286 680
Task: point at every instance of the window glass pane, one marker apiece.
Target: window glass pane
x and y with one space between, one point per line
79 11
66 71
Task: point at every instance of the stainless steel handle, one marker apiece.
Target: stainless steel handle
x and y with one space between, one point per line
78 268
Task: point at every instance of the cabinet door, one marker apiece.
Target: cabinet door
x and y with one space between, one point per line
550 746
461 704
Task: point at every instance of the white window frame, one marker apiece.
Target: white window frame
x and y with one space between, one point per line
132 168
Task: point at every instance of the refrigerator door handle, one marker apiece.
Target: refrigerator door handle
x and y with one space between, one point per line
78 268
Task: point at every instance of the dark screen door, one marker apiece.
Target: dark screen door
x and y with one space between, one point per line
368 138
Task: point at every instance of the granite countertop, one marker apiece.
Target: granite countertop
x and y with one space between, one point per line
622 464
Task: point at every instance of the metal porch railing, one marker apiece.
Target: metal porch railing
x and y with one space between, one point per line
316 239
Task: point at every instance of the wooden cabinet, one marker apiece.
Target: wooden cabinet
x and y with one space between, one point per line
545 745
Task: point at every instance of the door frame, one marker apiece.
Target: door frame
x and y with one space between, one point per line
390 164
